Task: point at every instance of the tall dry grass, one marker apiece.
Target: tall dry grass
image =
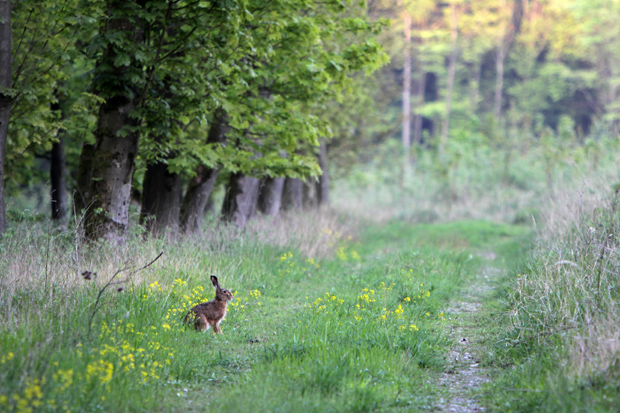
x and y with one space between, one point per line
571 290
41 268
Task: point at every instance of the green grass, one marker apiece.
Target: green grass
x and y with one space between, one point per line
362 330
558 352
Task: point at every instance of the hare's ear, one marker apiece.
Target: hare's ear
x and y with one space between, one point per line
214 281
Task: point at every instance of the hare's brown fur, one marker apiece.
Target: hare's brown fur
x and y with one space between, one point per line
211 313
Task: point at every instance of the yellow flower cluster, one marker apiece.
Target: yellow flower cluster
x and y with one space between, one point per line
323 305
240 301
312 262
365 297
412 327
152 289
421 294
384 286
6 357
30 400
343 256
398 313
141 352
64 378
333 236
291 267
365 306
100 370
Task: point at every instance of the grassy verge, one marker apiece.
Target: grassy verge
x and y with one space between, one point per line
358 330
562 350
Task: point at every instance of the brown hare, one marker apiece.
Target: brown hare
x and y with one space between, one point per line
211 313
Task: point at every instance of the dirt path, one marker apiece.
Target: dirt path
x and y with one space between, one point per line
466 329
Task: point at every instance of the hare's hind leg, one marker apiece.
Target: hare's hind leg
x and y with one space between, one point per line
201 323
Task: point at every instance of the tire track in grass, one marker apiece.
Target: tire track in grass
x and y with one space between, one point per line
464 376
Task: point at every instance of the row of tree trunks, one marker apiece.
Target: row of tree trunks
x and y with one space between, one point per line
246 195
165 212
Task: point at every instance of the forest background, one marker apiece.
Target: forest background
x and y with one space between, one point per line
170 105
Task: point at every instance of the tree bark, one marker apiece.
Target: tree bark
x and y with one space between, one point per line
322 187
406 135
196 199
292 194
6 101
270 197
161 201
112 175
241 199
200 187
309 194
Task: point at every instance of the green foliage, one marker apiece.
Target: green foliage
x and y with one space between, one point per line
48 70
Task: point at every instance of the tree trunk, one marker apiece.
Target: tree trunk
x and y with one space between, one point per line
241 199
200 187
407 83
6 101
270 197
322 188
513 23
85 173
196 199
475 90
309 195
499 81
114 163
451 73
161 201
292 194
417 119
112 174
58 174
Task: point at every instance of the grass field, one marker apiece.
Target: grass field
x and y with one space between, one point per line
361 329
